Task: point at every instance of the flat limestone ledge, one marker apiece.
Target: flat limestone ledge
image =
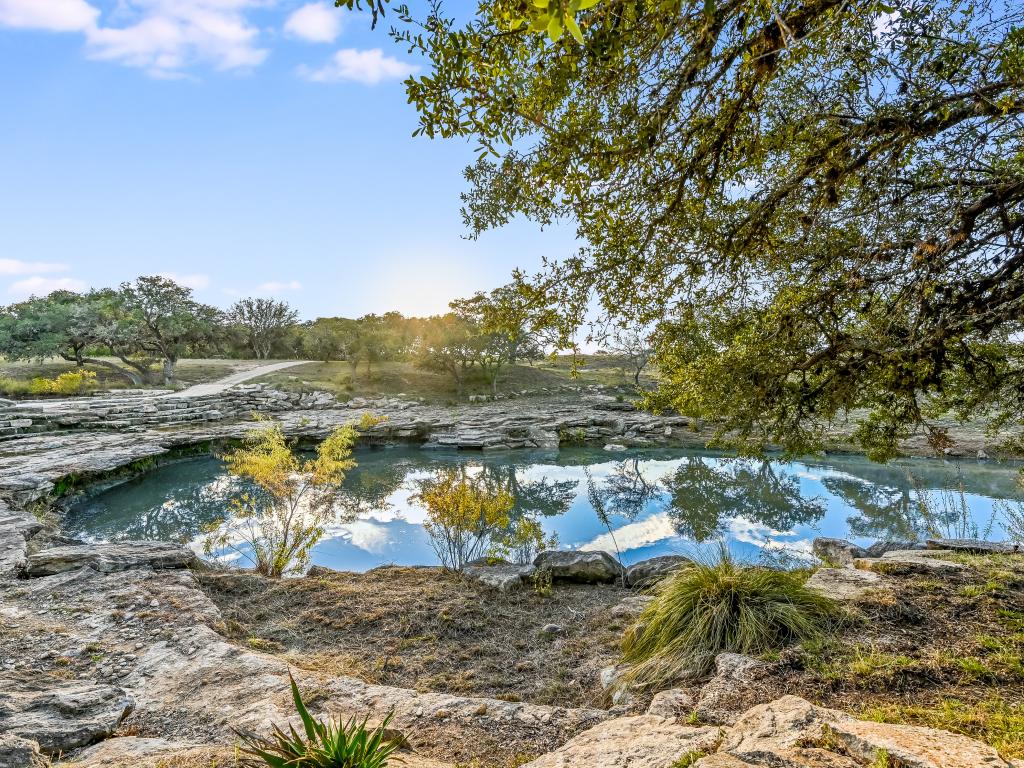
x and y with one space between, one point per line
924 561
31 466
155 631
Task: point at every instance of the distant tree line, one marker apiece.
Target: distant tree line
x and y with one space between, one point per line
141 329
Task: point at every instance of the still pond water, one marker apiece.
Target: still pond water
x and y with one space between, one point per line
657 502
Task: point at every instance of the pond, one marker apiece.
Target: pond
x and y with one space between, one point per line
655 502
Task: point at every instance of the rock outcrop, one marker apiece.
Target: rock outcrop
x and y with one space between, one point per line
737 685
836 551
912 561
644 741
845 584
110 557
59 716
791 731
584 567
648 572
974 546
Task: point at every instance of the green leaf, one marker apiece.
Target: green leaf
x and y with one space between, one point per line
307 720
555 29
573 27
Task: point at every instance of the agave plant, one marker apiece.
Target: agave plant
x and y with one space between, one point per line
323 745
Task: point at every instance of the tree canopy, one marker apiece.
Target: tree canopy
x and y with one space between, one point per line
818 204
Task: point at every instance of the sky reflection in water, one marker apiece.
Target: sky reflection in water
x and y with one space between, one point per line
659 502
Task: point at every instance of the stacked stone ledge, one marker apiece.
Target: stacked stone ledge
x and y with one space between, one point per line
150 409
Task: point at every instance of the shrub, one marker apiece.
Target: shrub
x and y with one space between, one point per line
464 520
69 383
522 541
322 745
701 611
282 522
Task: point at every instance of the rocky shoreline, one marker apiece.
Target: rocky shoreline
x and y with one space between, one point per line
113 654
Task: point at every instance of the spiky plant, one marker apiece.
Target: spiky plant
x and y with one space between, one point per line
323 745
710 608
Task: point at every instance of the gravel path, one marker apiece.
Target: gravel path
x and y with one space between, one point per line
216 387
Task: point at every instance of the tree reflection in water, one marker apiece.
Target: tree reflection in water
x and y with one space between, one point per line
704 495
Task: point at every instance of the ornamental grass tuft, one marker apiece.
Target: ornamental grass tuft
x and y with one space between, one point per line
322 745
707 609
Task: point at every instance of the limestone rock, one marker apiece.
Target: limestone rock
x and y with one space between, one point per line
16 528
974 546
643 741
63 717
632 606
673 703
504 577
836 551
789 728
737 685
16 752
879 548
844 584
109 558
125 751
648 572
585 567
911 561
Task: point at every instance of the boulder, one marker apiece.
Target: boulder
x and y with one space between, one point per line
844 584
975 546
673 703
503 577
577 566
642 741
650 571
737 685
16 752
62 717
108 558
836 551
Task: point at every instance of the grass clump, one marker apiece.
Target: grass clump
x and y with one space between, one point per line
322 745
707 609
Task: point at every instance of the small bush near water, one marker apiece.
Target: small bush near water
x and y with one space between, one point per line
708 609
323 745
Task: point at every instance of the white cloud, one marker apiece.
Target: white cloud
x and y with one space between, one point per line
41 286
275 287
166 36
369 67
196 282
315 22
51 15
631 536
18 267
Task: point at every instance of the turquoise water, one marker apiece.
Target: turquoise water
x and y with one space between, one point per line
656 502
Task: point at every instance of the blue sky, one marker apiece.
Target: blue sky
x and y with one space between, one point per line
247 147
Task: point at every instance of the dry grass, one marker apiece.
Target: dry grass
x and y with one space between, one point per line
426 629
